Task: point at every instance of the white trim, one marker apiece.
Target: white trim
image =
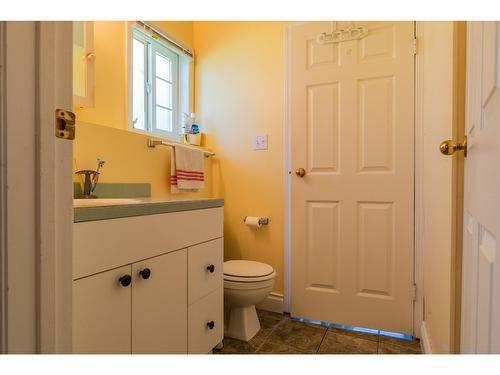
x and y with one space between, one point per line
274 302
425 342
287 176
3 198
128 75
53 189
418 310
37 208
20 42
418 180
185 101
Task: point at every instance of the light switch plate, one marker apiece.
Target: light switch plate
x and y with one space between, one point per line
260 142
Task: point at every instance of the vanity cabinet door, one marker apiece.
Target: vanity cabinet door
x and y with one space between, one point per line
101 312
159 304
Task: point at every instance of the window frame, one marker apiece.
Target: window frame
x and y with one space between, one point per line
161 50
182 87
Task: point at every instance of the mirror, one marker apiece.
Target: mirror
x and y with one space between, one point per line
83 64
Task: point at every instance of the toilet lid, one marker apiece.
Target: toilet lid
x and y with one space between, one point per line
247 268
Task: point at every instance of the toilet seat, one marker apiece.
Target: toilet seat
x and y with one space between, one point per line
242 271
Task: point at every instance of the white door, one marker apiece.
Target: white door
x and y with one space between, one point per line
37 187
352 212
481 268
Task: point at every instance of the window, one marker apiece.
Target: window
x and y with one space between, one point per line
160 86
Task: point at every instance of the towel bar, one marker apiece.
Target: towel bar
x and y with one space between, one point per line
157 142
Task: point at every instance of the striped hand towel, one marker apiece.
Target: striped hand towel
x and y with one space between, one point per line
187 169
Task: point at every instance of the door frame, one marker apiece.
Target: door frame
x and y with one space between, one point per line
418 313
36 188
3 212
54 188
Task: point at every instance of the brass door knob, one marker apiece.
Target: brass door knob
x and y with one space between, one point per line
449 147
301 172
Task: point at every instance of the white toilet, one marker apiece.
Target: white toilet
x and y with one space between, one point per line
246 283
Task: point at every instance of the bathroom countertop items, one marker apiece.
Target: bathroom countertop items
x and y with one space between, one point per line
139 207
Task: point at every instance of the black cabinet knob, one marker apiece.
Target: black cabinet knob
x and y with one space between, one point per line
125 280
145 273
211 324
211 268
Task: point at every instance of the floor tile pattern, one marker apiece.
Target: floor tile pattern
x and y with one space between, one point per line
281 335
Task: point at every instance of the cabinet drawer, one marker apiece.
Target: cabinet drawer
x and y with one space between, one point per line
202 339
105 244
201 281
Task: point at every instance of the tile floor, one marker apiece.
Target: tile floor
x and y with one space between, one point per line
281 335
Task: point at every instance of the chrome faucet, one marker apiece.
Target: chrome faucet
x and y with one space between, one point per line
91 179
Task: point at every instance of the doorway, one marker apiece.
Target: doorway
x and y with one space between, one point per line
351 117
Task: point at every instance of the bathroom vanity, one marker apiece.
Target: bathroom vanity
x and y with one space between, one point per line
148 276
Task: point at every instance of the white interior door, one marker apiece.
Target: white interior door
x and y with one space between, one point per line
37 187
481 269
352 212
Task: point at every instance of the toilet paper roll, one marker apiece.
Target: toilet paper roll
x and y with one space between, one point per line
252 221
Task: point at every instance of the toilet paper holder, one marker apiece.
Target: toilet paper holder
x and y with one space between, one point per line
262 220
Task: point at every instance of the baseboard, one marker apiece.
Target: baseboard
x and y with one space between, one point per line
273 302
425 341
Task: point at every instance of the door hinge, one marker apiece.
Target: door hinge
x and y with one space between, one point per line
415 46
65 124
414 292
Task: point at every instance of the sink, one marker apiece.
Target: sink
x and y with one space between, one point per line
104 202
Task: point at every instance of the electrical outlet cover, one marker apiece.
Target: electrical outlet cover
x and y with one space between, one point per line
260 142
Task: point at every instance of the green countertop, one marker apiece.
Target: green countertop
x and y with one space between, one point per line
140 207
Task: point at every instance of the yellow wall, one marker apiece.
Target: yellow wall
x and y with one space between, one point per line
110 69
239 72
128 159
239 81
181 31
110 76
239 91
100 130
